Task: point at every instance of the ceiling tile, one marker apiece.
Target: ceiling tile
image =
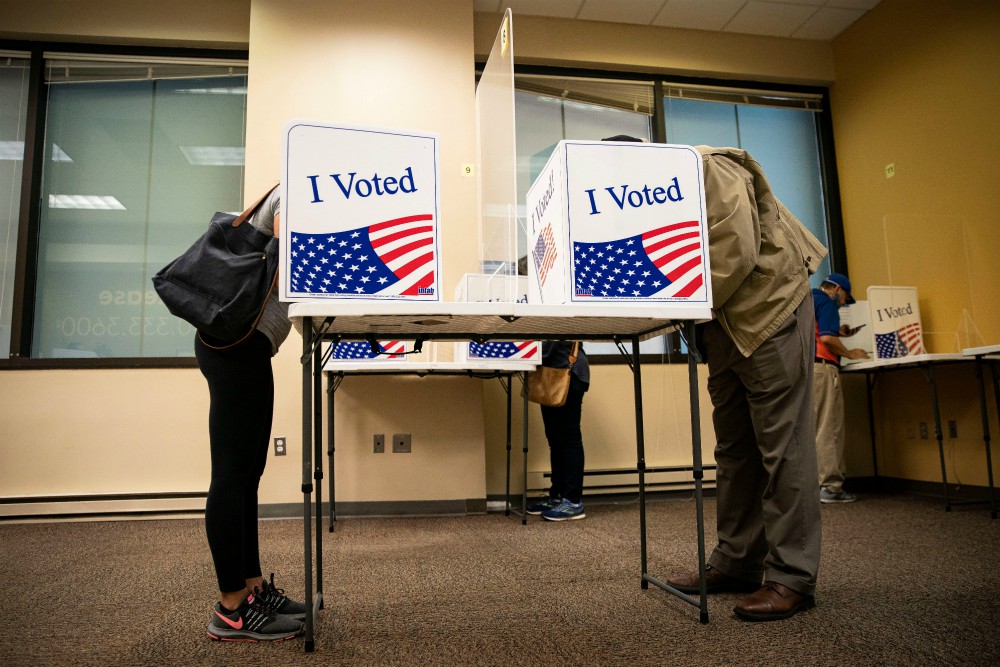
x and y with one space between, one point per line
622 11
827 23
491 6
801 19
558 8
698 14
852 4
770 18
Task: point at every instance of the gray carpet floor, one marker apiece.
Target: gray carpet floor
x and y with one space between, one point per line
902 583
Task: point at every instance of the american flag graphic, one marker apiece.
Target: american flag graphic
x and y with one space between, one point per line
388 349
520 350
666 262
904 342
545 253
394 257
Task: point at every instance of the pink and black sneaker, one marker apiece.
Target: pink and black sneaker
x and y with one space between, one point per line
276 599
253 621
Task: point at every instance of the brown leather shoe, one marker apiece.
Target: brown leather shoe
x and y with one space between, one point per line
715 582
773 602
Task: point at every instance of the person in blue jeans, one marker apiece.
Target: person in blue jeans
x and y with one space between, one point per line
562 430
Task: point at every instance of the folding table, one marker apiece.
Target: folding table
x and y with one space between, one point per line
988 354
925 362
480 322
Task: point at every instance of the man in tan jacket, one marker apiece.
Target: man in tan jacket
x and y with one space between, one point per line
759 348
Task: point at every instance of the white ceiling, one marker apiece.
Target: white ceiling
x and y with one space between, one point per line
801 19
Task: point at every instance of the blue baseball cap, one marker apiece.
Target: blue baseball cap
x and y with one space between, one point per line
841 281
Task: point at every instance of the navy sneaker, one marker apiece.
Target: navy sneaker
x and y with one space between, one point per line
565 511
253 621
540 506
276 599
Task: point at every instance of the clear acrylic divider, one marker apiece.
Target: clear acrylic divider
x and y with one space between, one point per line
929 301
496 142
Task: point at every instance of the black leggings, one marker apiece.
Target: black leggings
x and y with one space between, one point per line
241 387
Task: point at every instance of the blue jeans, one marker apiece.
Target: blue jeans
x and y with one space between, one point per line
562 430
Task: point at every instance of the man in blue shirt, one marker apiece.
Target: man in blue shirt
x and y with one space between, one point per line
828 399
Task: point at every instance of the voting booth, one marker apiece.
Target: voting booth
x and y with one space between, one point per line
660 222
361 212
492 288
896 330
497 351
619 222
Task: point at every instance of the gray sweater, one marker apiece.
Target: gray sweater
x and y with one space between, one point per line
274 322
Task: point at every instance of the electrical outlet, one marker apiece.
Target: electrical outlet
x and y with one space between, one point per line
952 428
923 431
401 443
378 442
911 433
279 447
890 170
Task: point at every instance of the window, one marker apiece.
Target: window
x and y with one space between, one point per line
13 112
138 153
780 128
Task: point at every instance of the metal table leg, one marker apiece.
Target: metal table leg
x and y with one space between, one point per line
306 360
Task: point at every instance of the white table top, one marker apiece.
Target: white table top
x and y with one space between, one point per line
499 321
981 351
430 367
896 362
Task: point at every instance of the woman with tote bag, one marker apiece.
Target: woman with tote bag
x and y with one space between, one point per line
241 387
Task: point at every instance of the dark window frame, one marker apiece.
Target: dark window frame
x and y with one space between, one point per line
25 277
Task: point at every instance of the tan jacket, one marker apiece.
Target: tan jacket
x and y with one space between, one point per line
761 256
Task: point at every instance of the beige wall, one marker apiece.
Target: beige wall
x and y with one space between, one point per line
917 87
195 23
908 86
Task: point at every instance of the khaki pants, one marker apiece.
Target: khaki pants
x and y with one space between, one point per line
828 401
768 504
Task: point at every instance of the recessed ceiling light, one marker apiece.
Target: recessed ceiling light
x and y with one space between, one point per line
92 202
217 156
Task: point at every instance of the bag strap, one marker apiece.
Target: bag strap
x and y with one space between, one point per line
572 355
245 215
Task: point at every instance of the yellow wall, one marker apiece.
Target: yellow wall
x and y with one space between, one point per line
907 87
916 86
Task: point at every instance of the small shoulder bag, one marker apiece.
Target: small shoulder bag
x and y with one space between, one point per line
550 386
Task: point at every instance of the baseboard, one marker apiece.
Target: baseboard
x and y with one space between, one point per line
381 508
183 504
95 506
957 493
598 490
498 502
